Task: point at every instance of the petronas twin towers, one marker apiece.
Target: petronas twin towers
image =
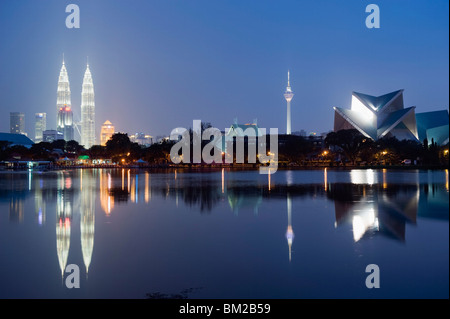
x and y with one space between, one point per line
65 123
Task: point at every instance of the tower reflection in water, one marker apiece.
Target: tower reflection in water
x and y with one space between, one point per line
289 231
87 215
64 200
66 206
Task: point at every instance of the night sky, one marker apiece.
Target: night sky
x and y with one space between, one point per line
158 65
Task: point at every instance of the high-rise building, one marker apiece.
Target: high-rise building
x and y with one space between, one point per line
17 123
64 122
40 125
87 110
288 95
63 93
52 135
106 132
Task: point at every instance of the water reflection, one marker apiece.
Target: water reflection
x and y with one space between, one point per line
376 209
87 212
367 202
64 201
363 176
289 231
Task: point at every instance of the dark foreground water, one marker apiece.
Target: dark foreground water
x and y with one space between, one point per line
224 234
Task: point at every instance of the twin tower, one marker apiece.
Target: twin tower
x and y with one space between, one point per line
65 123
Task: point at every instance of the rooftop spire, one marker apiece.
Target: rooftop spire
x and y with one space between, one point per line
288 79
63 58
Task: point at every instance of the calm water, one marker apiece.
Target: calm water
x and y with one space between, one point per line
224 234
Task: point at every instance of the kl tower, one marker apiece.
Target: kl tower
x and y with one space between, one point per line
288 95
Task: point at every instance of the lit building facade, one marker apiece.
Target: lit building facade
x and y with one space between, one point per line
63 92
17 123
64 122
385 116
40 125
433 126
87 110
106 132
378 116
52 135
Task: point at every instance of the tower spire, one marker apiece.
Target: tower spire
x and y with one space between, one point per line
63 58
288 95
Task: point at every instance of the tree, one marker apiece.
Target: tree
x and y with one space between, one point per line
73 147
58 144
295 148
97 151
158 153
40 151
349 142
119 148
119 143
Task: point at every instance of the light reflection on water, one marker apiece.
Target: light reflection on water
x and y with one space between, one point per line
369 203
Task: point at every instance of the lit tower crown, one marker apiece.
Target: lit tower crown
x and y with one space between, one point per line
288 95
87 110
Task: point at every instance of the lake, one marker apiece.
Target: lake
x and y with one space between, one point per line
224 234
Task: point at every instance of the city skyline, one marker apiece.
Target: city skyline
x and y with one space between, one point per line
202 65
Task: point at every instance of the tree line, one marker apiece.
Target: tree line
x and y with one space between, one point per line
345 147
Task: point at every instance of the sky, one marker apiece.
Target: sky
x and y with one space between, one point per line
159 65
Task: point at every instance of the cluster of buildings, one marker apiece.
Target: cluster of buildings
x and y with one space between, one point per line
66 126
374 116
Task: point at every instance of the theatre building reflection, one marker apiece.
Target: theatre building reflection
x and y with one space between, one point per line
379 209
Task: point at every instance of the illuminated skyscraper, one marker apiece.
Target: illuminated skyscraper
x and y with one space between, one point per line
106 132
288 95
63 93
40 125
17 123
64 122
87 110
